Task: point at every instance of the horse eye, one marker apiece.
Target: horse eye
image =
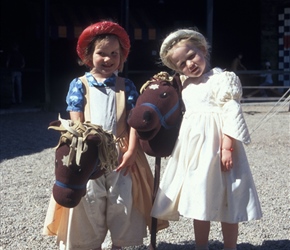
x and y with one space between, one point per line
163 95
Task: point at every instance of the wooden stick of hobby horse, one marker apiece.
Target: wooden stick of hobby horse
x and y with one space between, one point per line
156 185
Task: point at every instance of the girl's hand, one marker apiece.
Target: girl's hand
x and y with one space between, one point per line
129 157
127 161
226 153
226 159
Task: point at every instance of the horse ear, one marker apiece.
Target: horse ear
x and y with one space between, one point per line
55 123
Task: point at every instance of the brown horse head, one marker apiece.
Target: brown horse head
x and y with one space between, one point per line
84 152
157 114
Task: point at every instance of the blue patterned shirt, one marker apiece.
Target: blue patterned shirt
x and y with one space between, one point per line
75 95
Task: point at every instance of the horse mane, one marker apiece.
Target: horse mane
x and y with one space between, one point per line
161 76
76 133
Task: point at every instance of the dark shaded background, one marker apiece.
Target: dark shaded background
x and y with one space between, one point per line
236 27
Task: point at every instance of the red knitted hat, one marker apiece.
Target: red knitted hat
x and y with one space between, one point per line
105 27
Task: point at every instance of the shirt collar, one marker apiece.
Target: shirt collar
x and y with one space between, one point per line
106 83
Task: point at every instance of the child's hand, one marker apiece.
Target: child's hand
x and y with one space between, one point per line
226 160
127 161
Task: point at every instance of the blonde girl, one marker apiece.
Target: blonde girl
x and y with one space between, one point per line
208 176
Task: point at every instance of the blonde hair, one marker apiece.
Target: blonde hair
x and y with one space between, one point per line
196 38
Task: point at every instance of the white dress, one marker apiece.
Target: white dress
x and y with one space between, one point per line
193 184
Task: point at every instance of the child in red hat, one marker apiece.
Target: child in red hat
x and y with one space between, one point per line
119 201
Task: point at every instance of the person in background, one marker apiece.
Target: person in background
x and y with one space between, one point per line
207 177
268 80
15 64
237 63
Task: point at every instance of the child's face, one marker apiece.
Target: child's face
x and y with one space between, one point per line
106 57
188 59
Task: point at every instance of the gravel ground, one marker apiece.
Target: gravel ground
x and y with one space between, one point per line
26 167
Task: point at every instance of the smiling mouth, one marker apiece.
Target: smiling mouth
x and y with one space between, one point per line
107 65
194 68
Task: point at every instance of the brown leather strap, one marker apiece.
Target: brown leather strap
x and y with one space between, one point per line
120 107
87 111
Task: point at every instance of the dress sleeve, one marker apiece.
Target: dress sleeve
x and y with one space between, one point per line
75 96
228 93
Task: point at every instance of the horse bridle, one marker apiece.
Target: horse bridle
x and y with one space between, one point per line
163 118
